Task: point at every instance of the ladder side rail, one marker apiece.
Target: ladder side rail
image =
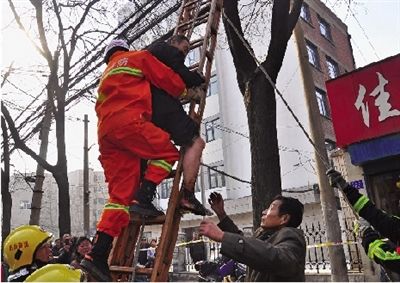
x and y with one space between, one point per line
171 226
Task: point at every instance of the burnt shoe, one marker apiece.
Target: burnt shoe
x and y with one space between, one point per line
191 204
97 268
146 209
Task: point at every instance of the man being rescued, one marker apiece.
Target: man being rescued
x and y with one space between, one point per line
125 136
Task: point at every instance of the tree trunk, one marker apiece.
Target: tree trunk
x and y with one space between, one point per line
64 218
266 177
38 189
259 95
5 182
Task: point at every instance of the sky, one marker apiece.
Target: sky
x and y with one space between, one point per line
374 26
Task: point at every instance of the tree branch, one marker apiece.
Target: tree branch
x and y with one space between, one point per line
242 59
20 144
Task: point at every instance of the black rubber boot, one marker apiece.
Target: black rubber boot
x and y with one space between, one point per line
144 197
191 204
95 262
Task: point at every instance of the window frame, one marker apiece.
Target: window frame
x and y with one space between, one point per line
218 178
211 132
165 188
305 11
324 28
332 67
212 85
312 50
323 104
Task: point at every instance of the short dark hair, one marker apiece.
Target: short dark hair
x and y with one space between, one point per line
178 38
293 207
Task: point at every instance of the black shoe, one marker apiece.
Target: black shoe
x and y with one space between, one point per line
97 268
144 197
191 204
146 209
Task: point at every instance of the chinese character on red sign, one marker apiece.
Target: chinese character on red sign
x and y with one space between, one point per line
365 104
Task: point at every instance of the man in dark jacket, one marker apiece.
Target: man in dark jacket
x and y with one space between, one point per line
169 115
382 251
276 252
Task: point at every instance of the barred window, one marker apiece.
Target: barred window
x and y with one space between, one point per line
212 131
333 68
313 56
324 28
216 179
165 188
212 86
305 12
25 204
323 104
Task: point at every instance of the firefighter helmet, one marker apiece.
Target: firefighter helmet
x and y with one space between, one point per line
115 45
56 273
21 244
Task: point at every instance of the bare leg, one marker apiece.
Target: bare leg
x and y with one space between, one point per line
191 163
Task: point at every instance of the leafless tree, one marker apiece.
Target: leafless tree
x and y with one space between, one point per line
71 37
259 94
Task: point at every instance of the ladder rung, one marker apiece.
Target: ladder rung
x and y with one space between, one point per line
129 269
190 3
194 66
196 43
148 220
199 20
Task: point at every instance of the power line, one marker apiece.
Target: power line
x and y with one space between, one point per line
261 67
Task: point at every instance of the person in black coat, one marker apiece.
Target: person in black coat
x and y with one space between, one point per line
169 115
382 251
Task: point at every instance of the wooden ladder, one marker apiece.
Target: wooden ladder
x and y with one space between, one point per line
194 15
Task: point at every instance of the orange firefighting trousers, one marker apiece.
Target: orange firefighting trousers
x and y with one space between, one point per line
120 153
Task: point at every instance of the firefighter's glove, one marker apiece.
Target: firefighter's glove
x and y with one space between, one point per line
361 227
195 93
336 179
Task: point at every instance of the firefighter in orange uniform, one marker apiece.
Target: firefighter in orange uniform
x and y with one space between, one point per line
125 135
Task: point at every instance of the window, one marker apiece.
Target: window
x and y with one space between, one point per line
322 102
216 179
193 57
165 188
330 145
305 13
333 68
212 131
25 204
212 86
325 28
313 56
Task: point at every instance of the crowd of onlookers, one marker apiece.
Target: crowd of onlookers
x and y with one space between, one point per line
70 250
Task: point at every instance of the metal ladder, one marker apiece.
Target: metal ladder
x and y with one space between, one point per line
194 15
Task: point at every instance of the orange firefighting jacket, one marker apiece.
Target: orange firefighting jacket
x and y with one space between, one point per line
124 92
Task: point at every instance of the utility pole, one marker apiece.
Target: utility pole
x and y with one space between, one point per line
86 178
39 177
328 201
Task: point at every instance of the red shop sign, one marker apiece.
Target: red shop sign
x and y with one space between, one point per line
365 103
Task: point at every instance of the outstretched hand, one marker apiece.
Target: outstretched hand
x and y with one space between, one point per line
336 179
210 230
217 204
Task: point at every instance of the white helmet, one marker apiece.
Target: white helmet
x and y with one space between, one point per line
115 45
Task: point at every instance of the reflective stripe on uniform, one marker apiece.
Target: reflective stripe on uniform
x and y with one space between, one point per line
161 163
361 202
119 70
111 206
374 250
